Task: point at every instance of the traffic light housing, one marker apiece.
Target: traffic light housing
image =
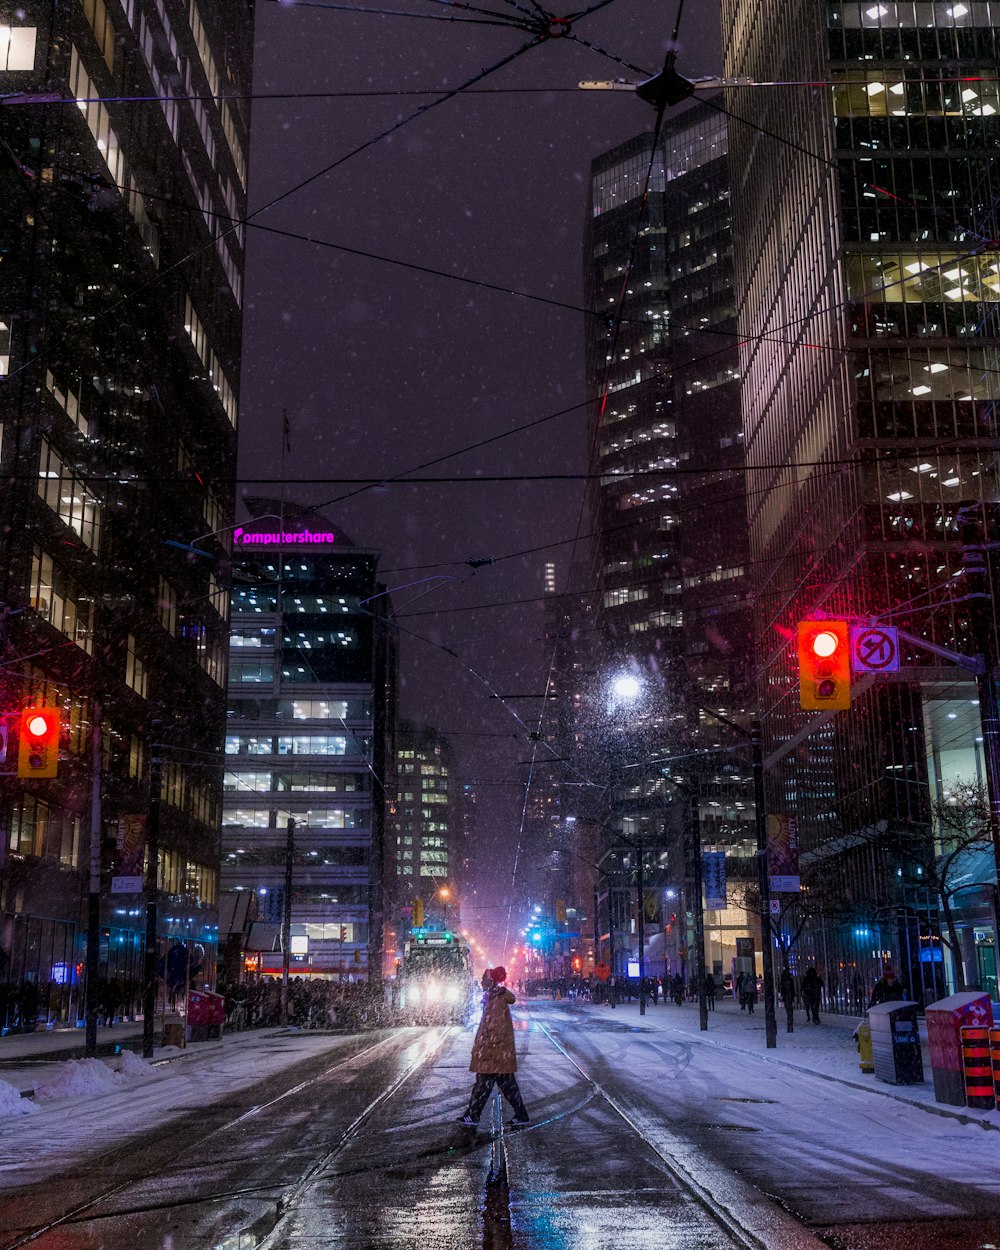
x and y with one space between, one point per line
417 919
824 666
38 742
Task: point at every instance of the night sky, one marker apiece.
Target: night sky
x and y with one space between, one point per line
381 368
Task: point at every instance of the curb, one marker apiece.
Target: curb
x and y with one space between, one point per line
955 1114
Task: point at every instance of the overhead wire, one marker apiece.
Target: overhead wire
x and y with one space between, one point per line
296 187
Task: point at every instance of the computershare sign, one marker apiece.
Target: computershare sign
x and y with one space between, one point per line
278 538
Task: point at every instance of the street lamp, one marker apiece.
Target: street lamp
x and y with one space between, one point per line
627 686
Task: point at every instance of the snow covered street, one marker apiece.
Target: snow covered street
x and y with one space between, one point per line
291 1141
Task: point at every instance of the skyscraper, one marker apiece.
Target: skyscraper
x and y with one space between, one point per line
426 828
868 278
311 705
670 552
120 322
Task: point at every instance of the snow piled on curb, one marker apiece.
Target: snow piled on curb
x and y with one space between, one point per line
85 1078
11 1102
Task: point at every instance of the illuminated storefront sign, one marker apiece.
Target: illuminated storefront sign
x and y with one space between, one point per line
277 538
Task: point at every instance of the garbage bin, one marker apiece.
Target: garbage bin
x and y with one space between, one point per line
945 1020
173 1033
863 1038
896 1043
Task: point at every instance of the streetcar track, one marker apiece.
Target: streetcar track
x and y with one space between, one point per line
73 1215
316 1172
743 1236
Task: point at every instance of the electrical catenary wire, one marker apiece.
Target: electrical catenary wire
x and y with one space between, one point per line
307 181
641 216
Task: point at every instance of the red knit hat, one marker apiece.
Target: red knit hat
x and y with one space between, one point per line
498 975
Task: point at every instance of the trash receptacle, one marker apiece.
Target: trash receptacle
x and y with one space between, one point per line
945 1020
173 1033
896 1043
863 1038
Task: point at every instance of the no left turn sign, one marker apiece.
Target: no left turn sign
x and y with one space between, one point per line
874 649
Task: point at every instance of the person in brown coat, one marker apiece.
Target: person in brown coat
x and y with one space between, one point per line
494 1060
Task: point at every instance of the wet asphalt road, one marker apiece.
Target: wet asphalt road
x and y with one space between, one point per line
640 1139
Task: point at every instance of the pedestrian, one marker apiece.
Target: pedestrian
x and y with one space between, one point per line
739 991
748 997
494 1059
709 991
677 988
786 992
654 989
886 990
812 992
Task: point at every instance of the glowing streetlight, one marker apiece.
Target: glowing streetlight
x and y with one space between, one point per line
627 686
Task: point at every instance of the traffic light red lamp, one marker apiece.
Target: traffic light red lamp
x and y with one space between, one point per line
38 743
824 665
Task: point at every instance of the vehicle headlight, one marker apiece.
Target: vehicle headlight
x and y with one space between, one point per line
414 993
433 993
452 994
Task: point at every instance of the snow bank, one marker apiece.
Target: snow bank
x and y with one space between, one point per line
129 1064
81 1078
11 1102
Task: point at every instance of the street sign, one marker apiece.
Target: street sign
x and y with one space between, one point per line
744 947
126 885
775 905
713 873
874 649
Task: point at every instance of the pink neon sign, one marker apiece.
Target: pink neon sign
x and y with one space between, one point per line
277 538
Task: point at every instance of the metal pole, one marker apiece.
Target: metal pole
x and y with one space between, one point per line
641 929
286 918
94 891
152 888
764 887
698 902
597 930
974 566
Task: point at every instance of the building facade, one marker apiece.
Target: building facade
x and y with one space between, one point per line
308 741
427 829
120 326
670 549
867 279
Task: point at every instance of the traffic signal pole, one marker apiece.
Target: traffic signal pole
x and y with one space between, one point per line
152 886
94 887
286 918
640 923
764 887
975 569
698 902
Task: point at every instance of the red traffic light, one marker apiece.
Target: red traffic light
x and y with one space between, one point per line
38 742
824 658
825 643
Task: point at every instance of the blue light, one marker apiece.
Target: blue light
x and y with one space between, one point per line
536 937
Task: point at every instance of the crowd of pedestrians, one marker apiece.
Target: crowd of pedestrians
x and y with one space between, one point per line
313 1003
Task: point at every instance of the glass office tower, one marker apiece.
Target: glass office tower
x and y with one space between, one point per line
868 276
120 329
311 705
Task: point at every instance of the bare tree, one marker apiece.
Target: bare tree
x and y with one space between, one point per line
820 897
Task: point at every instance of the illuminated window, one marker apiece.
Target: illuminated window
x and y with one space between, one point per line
104 32
67 496
98 119
136 675
17 48
57 599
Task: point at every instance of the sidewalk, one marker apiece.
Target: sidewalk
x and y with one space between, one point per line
45 1045
38 1057
826 1050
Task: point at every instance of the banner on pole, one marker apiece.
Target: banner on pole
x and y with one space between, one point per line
713 871
131 844
783 854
